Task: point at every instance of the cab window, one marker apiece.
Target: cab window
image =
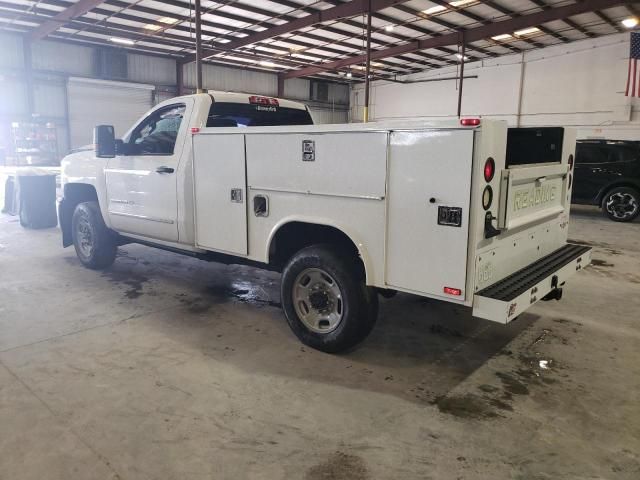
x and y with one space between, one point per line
157 134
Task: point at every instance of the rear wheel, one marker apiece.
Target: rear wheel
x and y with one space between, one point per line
325 300
622 204
95 244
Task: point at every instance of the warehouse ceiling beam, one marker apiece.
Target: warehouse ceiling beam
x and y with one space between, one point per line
345 10
471 34
73 11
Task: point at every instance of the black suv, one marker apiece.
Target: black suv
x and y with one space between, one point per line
607 174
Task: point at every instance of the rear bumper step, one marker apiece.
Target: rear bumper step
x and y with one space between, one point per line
508 298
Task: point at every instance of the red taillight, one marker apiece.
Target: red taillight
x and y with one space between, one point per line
452 291
469 122
489 169
570 162
195 130
256 100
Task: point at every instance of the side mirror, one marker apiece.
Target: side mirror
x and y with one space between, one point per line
104 141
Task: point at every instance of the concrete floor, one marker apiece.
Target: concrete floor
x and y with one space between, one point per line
165 367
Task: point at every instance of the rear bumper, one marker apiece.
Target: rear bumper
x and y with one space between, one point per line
505 300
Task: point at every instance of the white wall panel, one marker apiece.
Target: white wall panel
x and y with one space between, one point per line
156 70
49 98
11 51
13 97
578 85
62 57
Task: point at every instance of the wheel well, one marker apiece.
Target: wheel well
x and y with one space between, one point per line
294 236
610 187
74 193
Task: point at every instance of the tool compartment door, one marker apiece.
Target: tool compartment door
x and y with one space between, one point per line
428 210
219 182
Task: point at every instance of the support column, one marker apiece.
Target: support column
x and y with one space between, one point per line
199 88
367 86
463 42
179 78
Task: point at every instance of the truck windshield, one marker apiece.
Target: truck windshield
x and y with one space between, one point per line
228 114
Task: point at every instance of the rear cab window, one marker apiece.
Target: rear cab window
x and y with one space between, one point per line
230 114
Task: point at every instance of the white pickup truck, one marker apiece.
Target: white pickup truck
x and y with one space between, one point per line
467 211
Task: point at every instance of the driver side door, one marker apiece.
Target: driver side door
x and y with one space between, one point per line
141 178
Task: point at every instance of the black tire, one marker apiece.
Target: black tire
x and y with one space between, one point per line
95 244
621 204
358 303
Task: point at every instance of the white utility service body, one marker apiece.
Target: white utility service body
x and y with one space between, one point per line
375 182
408 194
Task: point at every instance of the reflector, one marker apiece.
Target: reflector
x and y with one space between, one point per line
489 169
487 197
452 291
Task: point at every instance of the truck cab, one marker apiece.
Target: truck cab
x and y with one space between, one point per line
145 188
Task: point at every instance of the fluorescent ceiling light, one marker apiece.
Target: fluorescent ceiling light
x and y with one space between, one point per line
152 26
168 20
435 9
265 63
504 36
460 3
526 31
630 22
122 41
389 28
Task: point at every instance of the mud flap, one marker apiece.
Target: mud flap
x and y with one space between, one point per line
505 300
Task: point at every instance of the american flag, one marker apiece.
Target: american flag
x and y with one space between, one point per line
633 82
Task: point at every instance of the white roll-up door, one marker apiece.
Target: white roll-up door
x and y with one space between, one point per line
101 102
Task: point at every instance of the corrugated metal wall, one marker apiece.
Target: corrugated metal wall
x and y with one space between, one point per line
155 70
215 77
11 51
62 57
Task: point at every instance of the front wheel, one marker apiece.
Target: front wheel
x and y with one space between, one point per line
326 302
95 244
622 204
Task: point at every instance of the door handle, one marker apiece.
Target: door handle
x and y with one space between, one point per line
164 170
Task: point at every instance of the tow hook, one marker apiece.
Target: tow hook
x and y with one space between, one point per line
555 294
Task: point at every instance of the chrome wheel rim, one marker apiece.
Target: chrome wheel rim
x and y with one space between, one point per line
317 300
84 234
622 205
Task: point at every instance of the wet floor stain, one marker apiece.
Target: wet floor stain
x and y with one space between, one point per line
596 262
466 406
529 369
244 293
339 466
132 282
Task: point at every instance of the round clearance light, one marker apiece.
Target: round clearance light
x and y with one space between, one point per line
487 197
489 169
570 161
